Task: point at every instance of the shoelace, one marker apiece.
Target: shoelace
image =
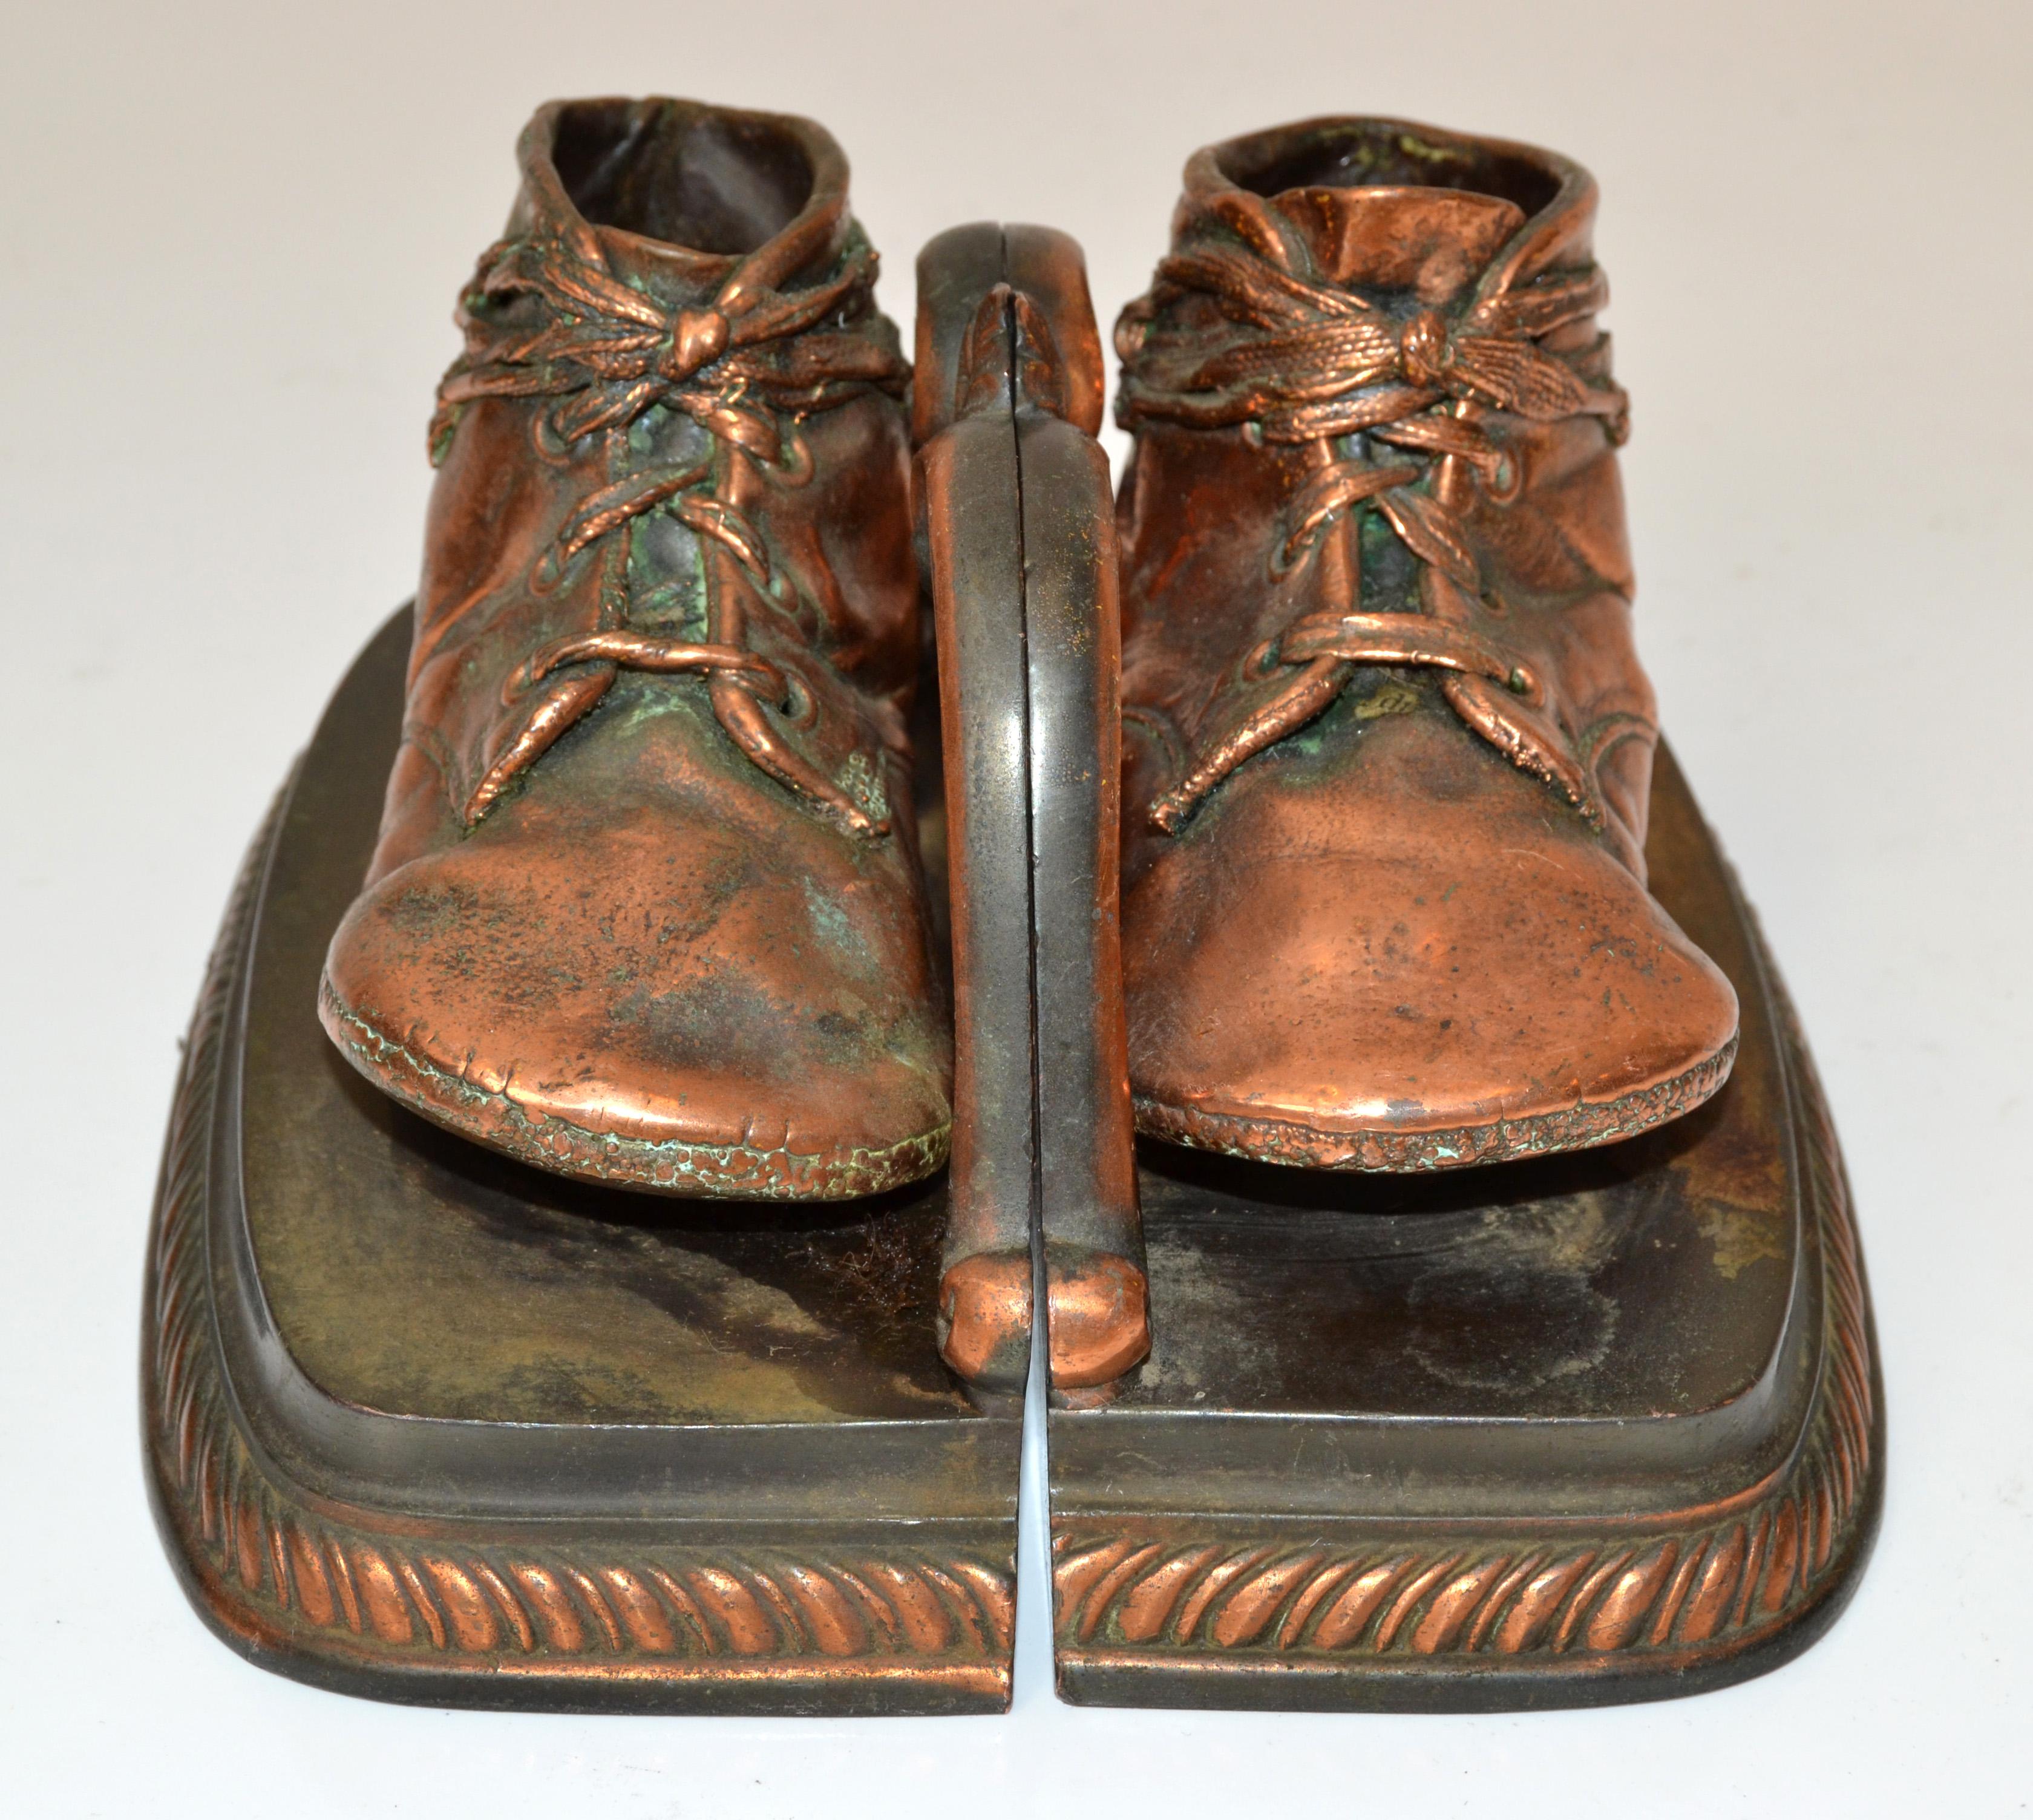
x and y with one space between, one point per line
738 368
1305 363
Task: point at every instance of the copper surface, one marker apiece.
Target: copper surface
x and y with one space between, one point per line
984 1320
647 906
969 489
1096 1292
1389 744
1100 1315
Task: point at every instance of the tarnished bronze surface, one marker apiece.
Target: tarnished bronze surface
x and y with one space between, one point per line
646 906
1389 746
1597 1427
424 1423
1097 1316
1022 556
969 491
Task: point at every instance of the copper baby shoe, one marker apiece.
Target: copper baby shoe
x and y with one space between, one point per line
1388 744
646 906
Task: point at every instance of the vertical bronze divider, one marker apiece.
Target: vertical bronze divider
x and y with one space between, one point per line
1019 535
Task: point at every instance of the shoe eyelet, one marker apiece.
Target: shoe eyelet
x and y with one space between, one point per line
551 447
799 707
1502 483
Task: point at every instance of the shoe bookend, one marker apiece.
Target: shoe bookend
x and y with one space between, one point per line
1596 1425
427 1423
1293 813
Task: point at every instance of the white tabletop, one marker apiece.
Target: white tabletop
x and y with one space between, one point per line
233 235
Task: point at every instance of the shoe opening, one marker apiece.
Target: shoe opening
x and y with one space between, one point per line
676 172
1352 154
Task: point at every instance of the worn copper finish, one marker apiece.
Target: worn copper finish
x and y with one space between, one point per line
985 1316
1390 745
745 369
969 489
1698 1589
646 906
1100 1315
1095 1290
1023 568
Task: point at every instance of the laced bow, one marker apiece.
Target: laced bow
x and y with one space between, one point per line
738 367
1299 362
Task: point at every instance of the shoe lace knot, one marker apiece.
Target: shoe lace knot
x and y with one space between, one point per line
1228 338
546 319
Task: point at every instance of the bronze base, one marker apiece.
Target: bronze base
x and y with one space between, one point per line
1595 1428
424 1425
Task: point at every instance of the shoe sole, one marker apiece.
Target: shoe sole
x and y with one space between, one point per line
1398 1152
718 1171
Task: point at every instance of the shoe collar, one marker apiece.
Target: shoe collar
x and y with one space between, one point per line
740 157
1391 204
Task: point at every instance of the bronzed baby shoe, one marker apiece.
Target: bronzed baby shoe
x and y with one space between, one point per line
646 906
1388 745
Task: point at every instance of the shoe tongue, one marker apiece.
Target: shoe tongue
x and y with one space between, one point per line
1430 241
677 275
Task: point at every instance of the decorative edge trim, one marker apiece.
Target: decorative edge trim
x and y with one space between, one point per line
726 1171
1661 1596
383 1602
1579 1127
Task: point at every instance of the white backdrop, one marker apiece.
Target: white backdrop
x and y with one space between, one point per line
232 235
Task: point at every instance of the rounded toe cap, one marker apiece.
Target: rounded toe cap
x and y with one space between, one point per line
583 1015
1415 1003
